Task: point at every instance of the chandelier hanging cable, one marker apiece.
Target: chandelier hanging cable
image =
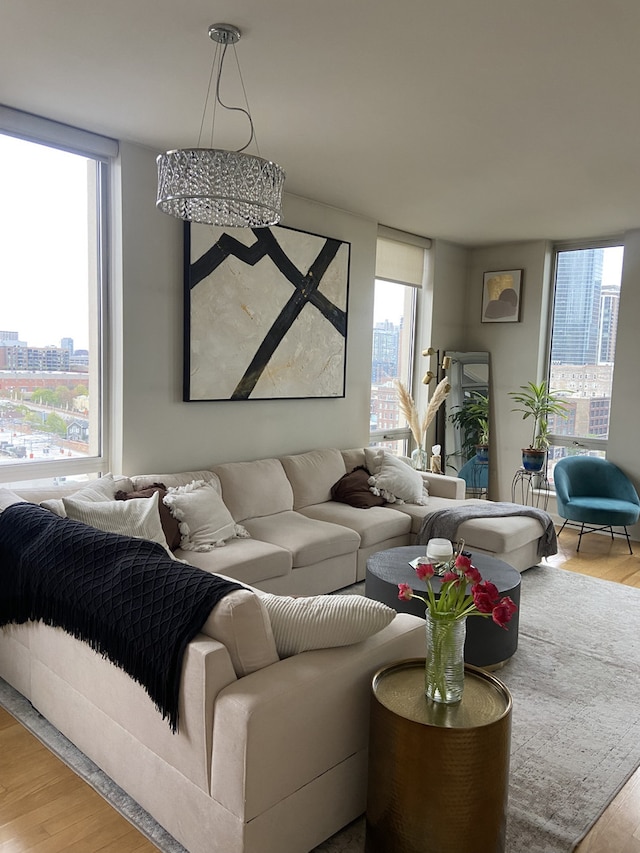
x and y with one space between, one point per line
218 187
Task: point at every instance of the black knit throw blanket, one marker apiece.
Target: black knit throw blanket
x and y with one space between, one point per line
125 597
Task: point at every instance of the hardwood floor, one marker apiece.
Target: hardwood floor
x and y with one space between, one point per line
46 808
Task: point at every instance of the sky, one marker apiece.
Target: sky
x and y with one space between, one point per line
43 229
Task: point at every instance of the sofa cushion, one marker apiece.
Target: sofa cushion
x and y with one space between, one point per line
205 522
255 489
353 458
323 621
8 498
241 623
169 523
397 481
312 475
249 561
137 518
353 489
308 540
374 525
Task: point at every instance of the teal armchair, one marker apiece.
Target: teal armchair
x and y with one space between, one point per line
595 494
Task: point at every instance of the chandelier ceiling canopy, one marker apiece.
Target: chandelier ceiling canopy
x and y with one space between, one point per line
215 186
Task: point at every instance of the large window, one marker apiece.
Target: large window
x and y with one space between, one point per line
52 270
399 274
583 344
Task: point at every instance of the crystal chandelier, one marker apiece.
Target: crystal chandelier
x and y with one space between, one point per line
214 186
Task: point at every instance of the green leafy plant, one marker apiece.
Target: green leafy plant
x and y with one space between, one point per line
472 419
537 401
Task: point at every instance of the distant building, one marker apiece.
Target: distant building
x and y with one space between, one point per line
577 308
34 358
67 343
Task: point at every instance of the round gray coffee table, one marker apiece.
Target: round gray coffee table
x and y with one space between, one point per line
487 645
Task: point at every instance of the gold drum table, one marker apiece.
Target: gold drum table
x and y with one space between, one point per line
438 774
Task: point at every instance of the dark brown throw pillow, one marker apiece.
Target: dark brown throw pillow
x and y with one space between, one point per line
169 523
353 489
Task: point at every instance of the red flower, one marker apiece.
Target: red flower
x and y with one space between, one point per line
450 576
485 596
425 571
503 611
405 593
472 575
463 563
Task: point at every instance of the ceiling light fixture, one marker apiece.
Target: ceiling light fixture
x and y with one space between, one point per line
214 186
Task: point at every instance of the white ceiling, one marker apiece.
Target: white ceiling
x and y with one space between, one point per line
478 121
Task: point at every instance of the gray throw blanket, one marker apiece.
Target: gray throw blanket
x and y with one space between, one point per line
445 522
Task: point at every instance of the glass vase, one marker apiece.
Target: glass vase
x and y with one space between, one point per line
420 459
444 664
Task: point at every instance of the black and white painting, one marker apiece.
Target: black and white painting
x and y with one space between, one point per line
265 314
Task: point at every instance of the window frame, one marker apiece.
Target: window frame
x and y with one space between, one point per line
103 152
572 441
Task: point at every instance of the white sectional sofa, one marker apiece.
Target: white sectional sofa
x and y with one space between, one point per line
271 753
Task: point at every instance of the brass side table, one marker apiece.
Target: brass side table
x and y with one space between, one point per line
438 774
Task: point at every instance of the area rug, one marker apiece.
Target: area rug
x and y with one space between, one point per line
575 683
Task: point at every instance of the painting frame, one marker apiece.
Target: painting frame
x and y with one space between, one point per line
501 296
265 314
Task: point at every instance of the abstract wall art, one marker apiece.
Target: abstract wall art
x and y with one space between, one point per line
265 314
501 296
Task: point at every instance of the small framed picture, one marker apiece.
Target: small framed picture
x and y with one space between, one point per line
501 296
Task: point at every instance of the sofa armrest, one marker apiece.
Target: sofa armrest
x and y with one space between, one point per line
281 727
444 486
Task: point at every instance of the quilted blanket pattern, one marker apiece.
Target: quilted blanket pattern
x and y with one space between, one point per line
123 596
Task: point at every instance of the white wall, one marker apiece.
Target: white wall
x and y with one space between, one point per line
155 429
514 348
518 353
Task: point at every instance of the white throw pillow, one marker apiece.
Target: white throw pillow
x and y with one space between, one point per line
205 522
102 489
323 621
397 481
138 517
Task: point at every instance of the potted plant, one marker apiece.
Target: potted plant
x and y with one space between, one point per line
482 447
472 419
537 401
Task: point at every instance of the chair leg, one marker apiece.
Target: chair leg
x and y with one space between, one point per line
563 526
580 536
626 533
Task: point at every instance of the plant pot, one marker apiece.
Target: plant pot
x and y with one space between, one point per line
482 452
533 459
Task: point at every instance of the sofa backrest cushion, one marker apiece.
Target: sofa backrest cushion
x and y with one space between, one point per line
255 489
241 623
183 478
8 498
312 475
354 458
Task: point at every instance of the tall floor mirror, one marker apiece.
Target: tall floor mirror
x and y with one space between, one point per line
467 423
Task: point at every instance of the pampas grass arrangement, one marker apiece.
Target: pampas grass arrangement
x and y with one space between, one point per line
409 410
